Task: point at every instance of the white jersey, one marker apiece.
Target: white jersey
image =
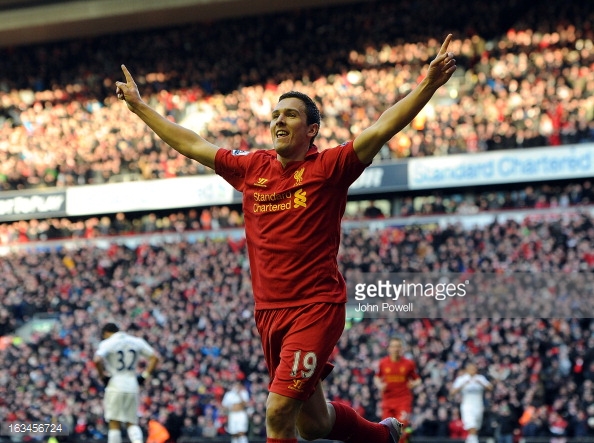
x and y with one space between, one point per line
121 352
473 387
234 397
238 421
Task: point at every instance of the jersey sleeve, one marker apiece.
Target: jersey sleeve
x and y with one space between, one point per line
102 350
483 380
459 381
341 164
144 348
232 166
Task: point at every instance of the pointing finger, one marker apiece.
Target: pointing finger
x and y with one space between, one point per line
444 46
127 74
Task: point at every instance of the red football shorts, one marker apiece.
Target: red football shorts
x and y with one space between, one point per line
297 344
400 410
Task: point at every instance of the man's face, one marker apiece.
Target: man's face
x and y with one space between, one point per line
395 349
289 129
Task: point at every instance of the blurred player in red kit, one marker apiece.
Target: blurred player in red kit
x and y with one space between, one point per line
395 379
294 197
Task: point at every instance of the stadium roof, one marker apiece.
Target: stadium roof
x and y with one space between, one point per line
34 21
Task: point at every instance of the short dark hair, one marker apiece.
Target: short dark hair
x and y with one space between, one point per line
109 327
311 110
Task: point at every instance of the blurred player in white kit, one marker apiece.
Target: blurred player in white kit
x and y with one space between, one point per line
235 402
117 359
472 387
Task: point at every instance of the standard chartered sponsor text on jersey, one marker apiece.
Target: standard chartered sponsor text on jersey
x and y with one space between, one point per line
272 207
271 197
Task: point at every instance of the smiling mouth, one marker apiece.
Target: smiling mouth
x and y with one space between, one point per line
280 134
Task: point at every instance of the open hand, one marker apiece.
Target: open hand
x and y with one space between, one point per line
443 65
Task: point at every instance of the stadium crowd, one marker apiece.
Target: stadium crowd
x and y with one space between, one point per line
62 126
193 302
535 196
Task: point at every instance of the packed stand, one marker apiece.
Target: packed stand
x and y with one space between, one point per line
542 196
193 303
560 195
522 83
54 229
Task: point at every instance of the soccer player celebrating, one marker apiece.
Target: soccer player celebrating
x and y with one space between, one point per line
117 360
395 379
472 386
293 200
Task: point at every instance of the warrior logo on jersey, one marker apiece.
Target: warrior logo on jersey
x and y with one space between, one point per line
261 182
297 385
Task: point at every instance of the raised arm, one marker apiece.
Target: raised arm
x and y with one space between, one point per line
183 140
394 119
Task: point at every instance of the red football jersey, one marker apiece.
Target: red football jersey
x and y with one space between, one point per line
396 375
292 221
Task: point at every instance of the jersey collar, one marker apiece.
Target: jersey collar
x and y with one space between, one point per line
313 150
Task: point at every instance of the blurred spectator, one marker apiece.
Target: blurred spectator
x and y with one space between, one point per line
209 428
372 211
456 427
258 427
175 422
506 424
157 432
189 429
